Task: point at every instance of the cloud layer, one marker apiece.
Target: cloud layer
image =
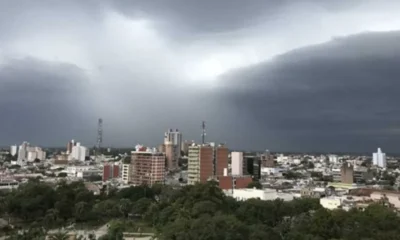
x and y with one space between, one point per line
339 96
145 66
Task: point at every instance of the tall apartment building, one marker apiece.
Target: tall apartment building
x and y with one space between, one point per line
200 163
267 160
79 152
22 152
173 141
70 144
185 147
13 150
379 159
347 173
33 153
221 159
237 163
206 162
126 172
171 155
174 136
148 166
252 165
161 148
27 153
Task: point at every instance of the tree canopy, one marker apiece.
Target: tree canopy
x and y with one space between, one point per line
197 212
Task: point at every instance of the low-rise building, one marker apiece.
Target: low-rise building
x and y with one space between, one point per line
236 182
89 173
331 202
111 171
72 171
312 192
262 194
266 171
8 184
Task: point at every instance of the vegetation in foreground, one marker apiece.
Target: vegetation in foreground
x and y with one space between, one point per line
200 212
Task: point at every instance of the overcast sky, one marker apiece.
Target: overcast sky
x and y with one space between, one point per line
307 75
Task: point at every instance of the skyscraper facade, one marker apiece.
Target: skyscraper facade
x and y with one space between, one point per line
13 150
200 163
267 160
175 137
206 161
221 159
171 155
27 153
70 144
379 159
347 173
79 152
173 140
252 165
237 163
22 152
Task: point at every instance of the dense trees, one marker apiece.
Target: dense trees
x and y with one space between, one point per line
255 184
199 212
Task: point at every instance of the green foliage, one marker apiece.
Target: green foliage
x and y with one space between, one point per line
197 212
255 184
59 236
116 229
310 165
54 206
127 160
62 174
35 233
9 158
94 178
292 175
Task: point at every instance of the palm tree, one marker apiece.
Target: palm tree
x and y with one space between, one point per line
59 236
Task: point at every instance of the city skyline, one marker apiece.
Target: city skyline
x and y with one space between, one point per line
288 76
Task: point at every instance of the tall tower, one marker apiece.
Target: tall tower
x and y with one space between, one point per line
203 134
99 134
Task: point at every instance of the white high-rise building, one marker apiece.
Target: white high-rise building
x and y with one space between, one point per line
31 156
333 159
174 137
237 163
22 152
26 153
79 152
13 150
33 153
379 159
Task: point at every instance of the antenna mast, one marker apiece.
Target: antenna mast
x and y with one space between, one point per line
203 134
99 135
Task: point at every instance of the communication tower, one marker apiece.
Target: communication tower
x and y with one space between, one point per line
99 136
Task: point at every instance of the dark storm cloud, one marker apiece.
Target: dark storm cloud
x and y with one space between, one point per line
201 16
190 18
340 96
145 66
42 102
